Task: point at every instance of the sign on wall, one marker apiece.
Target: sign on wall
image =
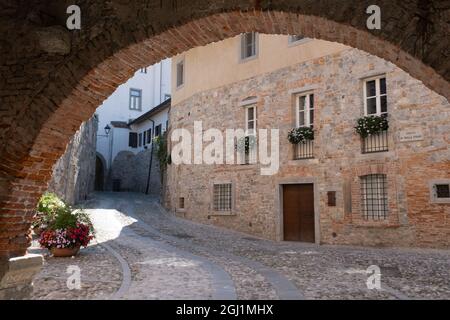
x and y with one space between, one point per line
411 135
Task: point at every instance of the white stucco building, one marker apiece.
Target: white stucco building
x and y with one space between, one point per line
147 89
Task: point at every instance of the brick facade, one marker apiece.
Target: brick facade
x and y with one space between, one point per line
52 79
338 163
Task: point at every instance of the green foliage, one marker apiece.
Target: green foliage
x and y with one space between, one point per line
48 206
162 154
370 125
300 134
53 213
49 202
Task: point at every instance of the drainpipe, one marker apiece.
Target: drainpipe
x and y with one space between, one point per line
151 159
160 81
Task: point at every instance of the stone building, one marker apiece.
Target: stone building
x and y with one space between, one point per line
140 172
389 189
74 173
148 88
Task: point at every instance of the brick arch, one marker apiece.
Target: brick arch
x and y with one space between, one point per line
53 79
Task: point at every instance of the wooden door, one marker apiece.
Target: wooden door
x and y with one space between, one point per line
298 212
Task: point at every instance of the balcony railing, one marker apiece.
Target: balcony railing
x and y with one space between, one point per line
375 143
248 157
304 150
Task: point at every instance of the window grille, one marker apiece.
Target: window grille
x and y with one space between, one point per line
222 197
374 200
442 191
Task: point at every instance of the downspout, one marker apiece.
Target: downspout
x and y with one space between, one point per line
151 158
160 81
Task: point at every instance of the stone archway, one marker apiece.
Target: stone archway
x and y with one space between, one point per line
100 169
53 79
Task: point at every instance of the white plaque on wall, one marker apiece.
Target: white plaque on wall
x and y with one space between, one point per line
411 135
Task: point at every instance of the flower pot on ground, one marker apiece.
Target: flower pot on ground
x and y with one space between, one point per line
65 252
66 232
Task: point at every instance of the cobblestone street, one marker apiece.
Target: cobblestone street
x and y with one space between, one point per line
142 252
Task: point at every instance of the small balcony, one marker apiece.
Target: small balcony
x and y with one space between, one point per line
248 157
304 150
375 143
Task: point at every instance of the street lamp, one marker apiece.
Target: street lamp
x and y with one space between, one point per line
107 129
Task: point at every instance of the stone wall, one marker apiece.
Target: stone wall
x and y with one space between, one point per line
132 171
337 83
74 174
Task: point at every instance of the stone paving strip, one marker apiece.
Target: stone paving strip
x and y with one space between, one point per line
100 274
320 272
143 252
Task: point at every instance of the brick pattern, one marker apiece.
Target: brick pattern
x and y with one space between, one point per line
52 79
339 163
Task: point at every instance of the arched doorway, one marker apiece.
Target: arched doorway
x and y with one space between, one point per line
69 74
99 174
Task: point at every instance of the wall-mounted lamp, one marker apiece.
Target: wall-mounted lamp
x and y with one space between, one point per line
107 129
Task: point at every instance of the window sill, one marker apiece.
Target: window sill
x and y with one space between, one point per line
294 162
361 223
440 201
298 42
222 213
244 60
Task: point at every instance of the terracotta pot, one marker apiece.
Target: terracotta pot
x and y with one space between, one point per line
65 252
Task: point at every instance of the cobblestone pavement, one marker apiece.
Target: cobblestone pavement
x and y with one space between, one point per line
147 253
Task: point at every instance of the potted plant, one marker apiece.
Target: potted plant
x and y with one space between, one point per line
46 211
300 135
370 125
67 232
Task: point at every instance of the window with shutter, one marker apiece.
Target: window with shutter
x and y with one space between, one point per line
132 139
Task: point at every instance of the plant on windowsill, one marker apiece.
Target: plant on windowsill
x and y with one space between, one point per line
64 230
371 125
245 144
300 134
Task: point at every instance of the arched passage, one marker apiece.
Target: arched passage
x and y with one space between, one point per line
53 79
100 168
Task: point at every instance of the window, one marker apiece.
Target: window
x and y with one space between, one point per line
375 97
135 99
294 39
249 45
140 139
145 138
442 191
149 135
143 70
304 117
180 73
374 200
305 110
132 139
167 125
181 203
158 130
250 120
222 199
